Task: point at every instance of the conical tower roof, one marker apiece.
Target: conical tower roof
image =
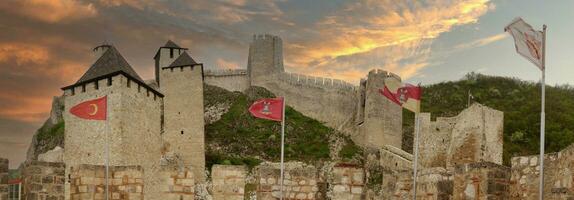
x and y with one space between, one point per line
171 44
110 62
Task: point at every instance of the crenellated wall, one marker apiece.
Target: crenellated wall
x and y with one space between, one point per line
231 79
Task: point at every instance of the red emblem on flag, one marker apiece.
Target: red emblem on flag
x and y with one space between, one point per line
402 94
93 109
271 109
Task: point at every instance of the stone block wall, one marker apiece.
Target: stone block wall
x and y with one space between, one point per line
434 140
300 181
3 191
558 176
481 180
4 163
232 80
348 183
432 183
43 180
89 182
395 159
177 183
228 182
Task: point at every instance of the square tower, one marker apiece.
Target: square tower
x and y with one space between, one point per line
181 81
133 125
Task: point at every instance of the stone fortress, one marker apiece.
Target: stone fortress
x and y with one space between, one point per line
155 131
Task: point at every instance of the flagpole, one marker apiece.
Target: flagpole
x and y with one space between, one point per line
107 150
542 113
415 167
282 145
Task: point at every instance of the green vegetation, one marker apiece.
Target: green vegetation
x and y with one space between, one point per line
520 102
50 132
239 138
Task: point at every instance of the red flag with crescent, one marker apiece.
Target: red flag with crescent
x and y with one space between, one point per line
95 109
271 109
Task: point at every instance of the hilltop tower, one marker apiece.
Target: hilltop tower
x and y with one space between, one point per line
180 79
380 120
265 58
132 128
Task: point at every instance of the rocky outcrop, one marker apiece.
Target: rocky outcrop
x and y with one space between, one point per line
51 134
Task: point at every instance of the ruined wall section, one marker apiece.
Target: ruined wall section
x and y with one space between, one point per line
476 136
432 183
231 79
43 180
434 140
184 123
133 127
481 180
177 183
558 176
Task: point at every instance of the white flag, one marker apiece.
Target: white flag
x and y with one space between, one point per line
528 41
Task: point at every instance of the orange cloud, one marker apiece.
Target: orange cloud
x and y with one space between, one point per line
51 11
407 28
225 64
482 41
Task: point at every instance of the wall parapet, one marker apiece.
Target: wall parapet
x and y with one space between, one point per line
225 72
319 82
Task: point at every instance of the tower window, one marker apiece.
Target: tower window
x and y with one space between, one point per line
139 88
96 85
73 91
109 81
170 53
129 83
83 88
182 132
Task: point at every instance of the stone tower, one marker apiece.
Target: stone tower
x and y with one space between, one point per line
132 128
379 119
181 81
265 58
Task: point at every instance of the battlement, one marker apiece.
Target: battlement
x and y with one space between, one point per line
384 73
225 72
265 37
108 81
312 81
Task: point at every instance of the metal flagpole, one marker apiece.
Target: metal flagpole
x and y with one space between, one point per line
417 130
282 145
107 149
542 114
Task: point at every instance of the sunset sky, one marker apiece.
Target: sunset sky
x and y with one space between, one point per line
46 44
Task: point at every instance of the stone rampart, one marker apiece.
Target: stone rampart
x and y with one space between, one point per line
432 183
300 181
434 140
43 180
231 79
481 180
177 183
89 182
228 182
395 159
558 176
313 81
347 183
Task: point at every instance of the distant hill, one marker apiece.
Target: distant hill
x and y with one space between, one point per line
520 102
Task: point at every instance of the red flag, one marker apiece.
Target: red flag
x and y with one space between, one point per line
271 109
95 109
408 96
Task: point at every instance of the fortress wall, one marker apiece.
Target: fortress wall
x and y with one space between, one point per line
395 159
89 182
432 183
177 183
331 105
558 176
300 181
184 126
43 180
232 80
476 136
319 82
134 128
228 182
348 183
481 180
435 140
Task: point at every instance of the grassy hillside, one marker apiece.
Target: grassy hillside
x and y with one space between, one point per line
520 102
239 138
